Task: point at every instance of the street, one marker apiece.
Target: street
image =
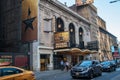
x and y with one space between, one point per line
66 76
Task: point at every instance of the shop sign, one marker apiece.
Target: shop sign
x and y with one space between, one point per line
61 39
5 60
6 56
93 45
115 54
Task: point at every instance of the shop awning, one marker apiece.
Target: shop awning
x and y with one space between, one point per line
76 51
85 51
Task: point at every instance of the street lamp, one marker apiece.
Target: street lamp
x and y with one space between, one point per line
114 1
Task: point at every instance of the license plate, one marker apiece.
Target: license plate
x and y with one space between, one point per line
77 73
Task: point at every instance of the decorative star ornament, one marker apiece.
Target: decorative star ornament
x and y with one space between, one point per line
28 22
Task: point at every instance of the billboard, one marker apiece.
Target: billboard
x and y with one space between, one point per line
61 40
83 2
29 20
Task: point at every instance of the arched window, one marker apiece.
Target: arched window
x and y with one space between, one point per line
60 25
72 35
81 42
80 34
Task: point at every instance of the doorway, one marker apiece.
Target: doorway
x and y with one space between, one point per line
44 61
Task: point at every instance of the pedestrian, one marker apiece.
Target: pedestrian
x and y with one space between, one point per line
67 65
62 65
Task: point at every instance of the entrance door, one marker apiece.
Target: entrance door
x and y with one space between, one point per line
44 61
74 60
57 58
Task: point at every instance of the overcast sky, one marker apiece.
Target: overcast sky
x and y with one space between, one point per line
108 12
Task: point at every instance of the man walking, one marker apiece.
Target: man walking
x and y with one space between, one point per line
62 64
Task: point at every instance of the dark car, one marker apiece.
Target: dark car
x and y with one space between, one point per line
88 68
107 66
114 62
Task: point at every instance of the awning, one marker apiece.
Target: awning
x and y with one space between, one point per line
85 51
76 51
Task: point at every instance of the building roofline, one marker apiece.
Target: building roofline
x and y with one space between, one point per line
106 32
65 8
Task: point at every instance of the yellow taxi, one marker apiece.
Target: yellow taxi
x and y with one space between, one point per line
15 73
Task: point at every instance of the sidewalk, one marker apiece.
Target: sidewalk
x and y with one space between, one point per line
41 74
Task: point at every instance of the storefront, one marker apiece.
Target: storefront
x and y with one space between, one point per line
15 59
73 56
44 61
66 52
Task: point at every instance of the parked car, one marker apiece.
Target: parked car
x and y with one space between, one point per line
107 66
15 73
118 62
88 69
114 62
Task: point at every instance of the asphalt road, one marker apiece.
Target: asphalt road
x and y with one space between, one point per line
66 76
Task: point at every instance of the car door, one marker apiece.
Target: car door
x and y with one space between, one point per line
95 67
98 68
20 75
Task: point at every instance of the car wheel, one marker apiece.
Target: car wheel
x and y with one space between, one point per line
73 77
111 69
91 76
100 74
114 69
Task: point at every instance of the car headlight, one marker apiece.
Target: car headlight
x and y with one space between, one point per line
108 66
72 69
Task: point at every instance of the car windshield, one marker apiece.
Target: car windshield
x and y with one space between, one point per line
86 63
113 61
105 63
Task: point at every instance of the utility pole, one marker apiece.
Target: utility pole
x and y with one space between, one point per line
114 1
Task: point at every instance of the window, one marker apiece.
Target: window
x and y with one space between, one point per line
60 25
9 71
72 35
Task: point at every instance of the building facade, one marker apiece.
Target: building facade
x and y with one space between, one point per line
12 47
107 41
68 35
89 12
10 39
44 32
98 30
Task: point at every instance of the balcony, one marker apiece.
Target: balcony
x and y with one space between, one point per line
80 46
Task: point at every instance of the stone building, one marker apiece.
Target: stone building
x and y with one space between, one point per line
107 40
98 30
68 34
89 12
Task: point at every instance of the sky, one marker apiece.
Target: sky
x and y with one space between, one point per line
109 12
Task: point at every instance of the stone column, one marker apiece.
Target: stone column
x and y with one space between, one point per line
35 57
51 62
